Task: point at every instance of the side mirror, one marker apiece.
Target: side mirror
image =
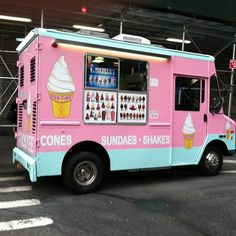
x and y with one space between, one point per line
216 104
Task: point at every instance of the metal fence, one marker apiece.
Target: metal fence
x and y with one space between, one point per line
8 87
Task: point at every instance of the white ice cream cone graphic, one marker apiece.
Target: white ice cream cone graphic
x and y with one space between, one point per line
228 130
188 132
61 89
29 112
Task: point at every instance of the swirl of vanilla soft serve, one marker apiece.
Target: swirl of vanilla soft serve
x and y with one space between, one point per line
228 126
29 105
60 80
188 127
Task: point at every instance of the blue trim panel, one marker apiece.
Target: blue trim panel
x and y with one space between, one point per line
230 143
50 163
139 158
27 161
182 156
45 164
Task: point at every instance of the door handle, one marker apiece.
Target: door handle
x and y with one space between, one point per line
205 117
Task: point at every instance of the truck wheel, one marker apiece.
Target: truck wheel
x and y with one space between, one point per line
211 161
83 172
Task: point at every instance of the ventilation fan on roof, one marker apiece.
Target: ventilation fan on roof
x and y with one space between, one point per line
132 38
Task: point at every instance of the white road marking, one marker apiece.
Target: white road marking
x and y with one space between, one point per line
11 178
19 203
15 189
230 161
22 223
228 172
25 223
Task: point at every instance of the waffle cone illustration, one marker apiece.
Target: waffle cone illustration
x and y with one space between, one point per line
228 130
61 103
61 89
188 140
228 133
28 121
188 132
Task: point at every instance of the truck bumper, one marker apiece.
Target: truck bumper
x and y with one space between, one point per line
27 161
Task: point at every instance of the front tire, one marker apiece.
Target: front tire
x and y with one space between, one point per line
211 161
83 172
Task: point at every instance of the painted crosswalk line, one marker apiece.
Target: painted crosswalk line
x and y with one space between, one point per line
21 223
15 189
228 172
19 203
25 223
11 178
230 161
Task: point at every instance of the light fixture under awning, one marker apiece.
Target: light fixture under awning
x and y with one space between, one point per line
14 18
175 40
111 51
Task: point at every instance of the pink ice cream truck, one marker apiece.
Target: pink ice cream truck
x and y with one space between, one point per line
88 105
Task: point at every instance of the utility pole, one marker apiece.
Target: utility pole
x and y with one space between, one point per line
183 38
121 23
42 15
231 83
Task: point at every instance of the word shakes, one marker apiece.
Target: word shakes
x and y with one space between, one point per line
132 140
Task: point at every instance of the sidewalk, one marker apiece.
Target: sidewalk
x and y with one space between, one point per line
7 143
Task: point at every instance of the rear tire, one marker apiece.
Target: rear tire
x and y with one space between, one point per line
211 161
83 172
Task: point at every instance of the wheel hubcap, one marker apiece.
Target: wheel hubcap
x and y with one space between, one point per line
85 173
212 160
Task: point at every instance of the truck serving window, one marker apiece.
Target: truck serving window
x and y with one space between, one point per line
115 90
187 94
133 75
102 72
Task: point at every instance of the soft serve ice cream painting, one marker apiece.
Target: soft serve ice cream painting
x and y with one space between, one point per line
28 112
188 132
228 130
61 89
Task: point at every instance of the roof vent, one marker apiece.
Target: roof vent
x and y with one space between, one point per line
132 38
93 33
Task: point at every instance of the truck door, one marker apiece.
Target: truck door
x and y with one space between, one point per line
189 119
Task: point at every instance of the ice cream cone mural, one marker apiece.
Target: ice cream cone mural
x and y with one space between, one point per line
228 130
61 89
188 132
29 112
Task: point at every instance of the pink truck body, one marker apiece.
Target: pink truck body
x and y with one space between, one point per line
132 128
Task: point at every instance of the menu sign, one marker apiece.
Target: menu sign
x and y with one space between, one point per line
99 106
132 108
98 77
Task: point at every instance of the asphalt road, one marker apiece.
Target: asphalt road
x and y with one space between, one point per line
170 202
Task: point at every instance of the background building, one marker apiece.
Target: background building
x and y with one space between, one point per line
209 26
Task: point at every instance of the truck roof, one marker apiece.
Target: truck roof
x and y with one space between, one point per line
75 38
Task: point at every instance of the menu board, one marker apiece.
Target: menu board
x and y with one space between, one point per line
100 106
98 77
132 108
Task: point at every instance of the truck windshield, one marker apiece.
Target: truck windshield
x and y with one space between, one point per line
215 95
